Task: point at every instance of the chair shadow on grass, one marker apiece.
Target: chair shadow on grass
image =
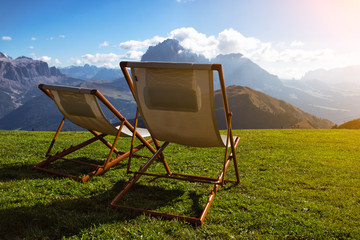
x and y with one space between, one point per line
9 172
65 218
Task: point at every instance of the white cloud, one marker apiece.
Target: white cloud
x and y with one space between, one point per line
136 45
133 55
33 38
290 62
109 65
51 38
296 44
199 43
57 61
100 58
61 36
110 60
299 55
6 38
231 41
31 47
45 59
78 62
287 60
294 63
274 57
104 44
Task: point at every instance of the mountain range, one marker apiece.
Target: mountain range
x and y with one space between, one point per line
333 94
330 94
88 72
20 98
23 106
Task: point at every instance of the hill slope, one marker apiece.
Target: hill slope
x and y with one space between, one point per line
254 110
353 124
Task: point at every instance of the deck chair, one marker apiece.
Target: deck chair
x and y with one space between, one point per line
176 103
81 106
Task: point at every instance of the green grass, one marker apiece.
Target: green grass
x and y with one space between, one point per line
296 184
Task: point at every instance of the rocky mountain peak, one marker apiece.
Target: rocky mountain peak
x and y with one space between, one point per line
170 50
24 58
24 72
2 55
20 77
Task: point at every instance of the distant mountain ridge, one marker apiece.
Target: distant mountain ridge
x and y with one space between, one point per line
88 72
346 78
41 114
251 109
334 93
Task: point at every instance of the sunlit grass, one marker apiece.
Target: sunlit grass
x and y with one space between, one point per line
302 184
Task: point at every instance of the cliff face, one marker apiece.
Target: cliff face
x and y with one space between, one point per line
24 72
19 79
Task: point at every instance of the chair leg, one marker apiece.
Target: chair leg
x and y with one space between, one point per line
65 152
233 155
100 169
162 157
113 147
57 156
55 137
196 221
136 177
103 140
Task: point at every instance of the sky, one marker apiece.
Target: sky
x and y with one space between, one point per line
285 37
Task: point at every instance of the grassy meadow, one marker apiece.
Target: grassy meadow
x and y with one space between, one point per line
296 184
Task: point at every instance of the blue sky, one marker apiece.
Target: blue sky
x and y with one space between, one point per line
286 37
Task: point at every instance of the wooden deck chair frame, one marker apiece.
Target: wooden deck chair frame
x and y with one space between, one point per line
231 142
118 131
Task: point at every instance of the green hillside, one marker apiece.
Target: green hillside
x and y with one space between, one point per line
353 124
296 184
